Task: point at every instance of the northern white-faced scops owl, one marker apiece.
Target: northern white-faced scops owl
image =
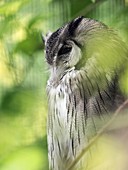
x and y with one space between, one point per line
85 60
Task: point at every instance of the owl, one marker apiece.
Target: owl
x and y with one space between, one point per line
86 60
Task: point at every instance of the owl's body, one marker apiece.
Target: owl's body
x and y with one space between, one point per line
82 94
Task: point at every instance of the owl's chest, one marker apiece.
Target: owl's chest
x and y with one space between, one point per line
66 125
58 106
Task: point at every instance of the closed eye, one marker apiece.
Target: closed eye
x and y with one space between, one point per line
64 49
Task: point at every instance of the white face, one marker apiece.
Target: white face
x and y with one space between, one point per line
68 55
62 50
72 45
64 47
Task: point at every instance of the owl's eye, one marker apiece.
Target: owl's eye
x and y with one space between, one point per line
64 49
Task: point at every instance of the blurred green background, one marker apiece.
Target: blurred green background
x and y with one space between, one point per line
23 71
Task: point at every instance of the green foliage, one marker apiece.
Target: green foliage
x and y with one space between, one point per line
26 158
22 87
11 7
23 72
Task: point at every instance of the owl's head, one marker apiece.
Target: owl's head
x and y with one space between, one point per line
72 45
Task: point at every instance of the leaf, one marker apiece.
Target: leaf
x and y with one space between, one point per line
30 45
106 154
11 7
93 1
34 20
20 101
124 82
26 158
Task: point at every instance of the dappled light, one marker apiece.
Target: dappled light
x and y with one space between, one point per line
24 74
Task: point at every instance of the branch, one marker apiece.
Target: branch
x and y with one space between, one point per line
90 7
98 135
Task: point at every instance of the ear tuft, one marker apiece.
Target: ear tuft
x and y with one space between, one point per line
74 24
46 37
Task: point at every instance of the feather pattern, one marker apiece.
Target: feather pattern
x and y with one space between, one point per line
80 90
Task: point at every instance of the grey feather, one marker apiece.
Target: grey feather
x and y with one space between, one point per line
86 60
